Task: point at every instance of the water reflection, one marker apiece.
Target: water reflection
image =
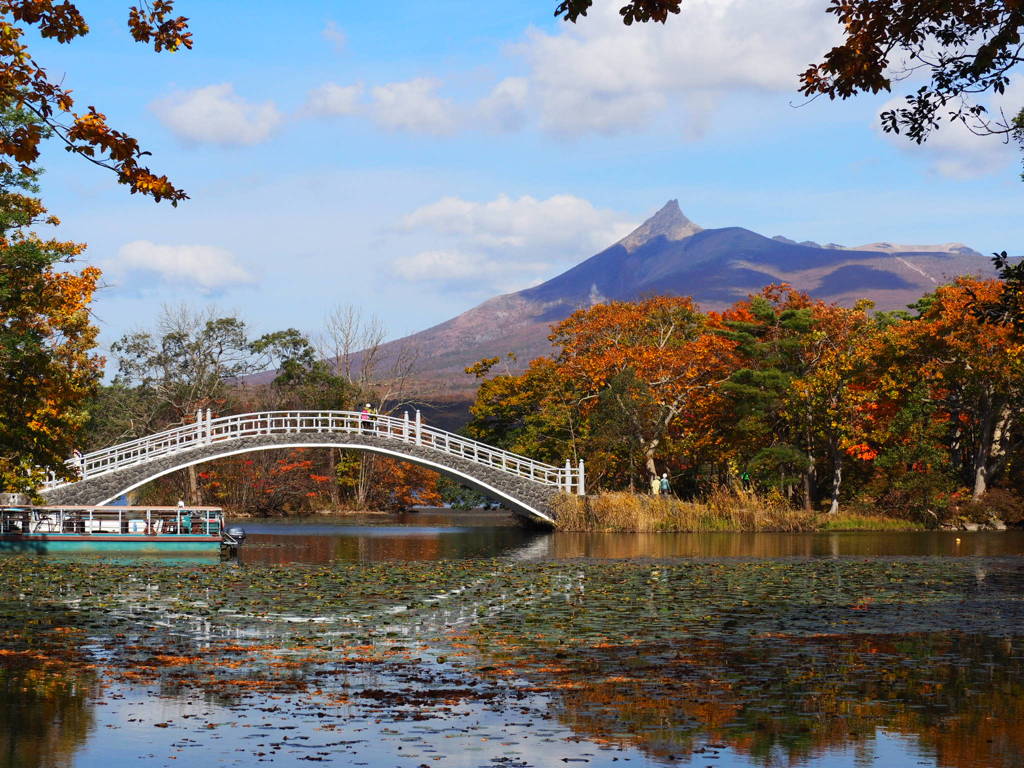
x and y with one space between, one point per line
47 692
759 545
440 535
447 534
961 698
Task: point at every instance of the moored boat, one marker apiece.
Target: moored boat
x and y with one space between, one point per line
154 529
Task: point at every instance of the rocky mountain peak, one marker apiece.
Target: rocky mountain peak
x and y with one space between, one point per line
670 222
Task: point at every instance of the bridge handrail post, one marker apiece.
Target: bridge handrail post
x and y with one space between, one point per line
568 477
581 481
419 428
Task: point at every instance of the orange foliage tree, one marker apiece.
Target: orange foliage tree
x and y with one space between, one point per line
975 375
265 482
630 389
402 485
24 83
47 369
664 351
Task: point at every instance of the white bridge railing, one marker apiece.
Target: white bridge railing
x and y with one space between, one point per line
412 431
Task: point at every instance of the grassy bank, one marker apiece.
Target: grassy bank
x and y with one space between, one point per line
721 511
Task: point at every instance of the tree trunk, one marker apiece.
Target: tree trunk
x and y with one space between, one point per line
365 481
333 459
983 450
837 479
652 469
808 491
810 474
194 496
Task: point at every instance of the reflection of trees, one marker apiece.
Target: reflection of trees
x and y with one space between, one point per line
46 712
864 543
371 546
960 696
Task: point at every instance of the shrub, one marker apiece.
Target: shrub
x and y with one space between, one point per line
998 503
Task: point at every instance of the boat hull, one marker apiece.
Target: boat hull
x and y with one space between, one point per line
69 542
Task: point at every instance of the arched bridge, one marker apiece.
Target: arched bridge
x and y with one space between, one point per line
527 486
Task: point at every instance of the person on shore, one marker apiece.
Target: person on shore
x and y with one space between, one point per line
664 486
655 486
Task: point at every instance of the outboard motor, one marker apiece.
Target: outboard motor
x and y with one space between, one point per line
237 534
231 539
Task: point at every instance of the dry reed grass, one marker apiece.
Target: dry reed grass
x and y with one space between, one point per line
722 510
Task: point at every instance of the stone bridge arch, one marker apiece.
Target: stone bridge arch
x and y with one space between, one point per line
527 487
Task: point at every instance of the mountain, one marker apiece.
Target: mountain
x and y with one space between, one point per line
669 254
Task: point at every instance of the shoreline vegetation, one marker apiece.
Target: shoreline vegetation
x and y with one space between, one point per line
723 511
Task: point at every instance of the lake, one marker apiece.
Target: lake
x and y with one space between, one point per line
444 638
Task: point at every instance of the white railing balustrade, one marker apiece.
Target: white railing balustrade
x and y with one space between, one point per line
207 430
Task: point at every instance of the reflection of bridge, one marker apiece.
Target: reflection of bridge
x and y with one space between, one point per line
526 485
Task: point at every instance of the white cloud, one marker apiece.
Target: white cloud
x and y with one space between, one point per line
505 108
562 222
331 99
954 151
600 76
413 106
456 266
506 242
215 114
204 267
333 34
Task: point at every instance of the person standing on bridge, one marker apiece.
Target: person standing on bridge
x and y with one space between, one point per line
78 463
366 418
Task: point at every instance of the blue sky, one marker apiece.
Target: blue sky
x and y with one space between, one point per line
418 161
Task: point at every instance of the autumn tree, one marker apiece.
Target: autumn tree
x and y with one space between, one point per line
47 366
796 394
265 482
25 83
834 391
405 485
975 371
666 346
964 48
628 389
533 412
